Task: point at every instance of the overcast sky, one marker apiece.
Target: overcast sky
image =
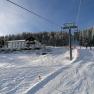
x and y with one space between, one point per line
15 20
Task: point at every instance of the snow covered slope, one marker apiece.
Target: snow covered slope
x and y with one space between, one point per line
50 73
75 78
19 71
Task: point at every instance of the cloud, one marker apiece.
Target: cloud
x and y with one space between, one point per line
8 22
15 20
10 18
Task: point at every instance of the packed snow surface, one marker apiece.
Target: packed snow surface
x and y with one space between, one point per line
75 78
21 70
47 71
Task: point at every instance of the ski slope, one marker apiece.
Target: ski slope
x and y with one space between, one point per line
31 72
20 71
75 78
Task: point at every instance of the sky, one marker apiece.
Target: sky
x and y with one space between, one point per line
14 20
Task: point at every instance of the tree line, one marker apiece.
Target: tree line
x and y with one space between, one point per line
46 38
84 38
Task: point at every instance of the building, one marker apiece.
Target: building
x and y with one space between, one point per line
16 44
23 44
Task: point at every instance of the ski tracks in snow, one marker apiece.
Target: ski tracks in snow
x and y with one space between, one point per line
52 76
76 78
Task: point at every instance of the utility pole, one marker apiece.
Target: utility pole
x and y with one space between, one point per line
70 26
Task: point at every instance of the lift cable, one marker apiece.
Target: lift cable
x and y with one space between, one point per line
34 13
78 11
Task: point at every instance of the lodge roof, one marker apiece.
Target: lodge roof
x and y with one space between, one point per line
30 39
16 41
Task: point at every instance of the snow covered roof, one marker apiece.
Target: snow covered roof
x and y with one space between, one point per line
17 41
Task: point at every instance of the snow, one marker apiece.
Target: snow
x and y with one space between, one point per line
75 78
39 85
47 72
20 70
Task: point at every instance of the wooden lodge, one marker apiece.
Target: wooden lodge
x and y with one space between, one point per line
29 43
